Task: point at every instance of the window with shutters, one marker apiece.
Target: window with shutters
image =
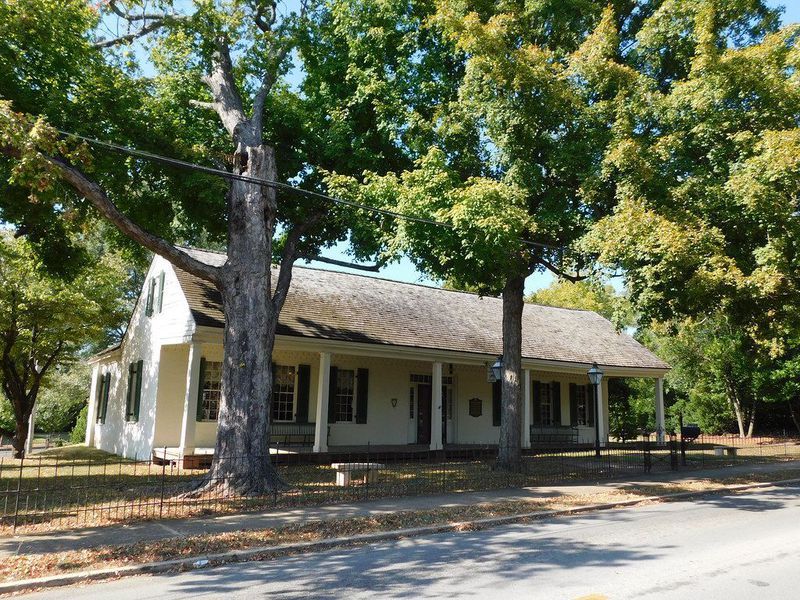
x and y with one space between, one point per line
582 404
151 295
104 386
546 404
134 394
212 391
283 386
345 396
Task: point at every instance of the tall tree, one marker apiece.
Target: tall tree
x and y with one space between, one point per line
706 172
202 81
45 320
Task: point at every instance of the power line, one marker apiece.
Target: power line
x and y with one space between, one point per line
278 185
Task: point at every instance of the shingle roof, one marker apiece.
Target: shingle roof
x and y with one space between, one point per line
346 307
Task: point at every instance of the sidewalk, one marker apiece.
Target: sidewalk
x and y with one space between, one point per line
80 539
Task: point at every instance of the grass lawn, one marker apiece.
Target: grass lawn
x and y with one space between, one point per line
76 486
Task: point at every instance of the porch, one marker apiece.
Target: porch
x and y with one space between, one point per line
362 402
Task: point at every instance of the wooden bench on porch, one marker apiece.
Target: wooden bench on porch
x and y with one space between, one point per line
553 435
292 434
345 470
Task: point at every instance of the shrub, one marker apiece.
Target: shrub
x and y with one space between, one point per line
78 434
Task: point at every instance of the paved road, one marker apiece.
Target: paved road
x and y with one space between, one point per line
723 547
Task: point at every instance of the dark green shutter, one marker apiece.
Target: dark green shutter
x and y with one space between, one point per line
272 407
99 397
573 404
303 392
590 405
106 390
160 303
129 394
332 387
497 403
555 393
362 391
148 307
138 398
536 387
200 385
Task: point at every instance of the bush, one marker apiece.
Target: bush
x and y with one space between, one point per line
78 434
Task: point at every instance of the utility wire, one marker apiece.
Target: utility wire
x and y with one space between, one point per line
278 185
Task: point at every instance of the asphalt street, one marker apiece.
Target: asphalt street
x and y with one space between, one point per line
721 547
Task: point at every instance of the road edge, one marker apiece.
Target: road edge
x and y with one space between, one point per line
271 552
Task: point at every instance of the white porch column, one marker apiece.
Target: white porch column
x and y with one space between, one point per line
659 401
190 399
91 414
29 441
601 415
436 408
323 387
527 405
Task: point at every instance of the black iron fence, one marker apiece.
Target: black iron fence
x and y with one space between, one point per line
44 491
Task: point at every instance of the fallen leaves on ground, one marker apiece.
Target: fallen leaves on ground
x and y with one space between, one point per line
40 565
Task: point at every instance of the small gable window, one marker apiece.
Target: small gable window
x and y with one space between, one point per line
154 303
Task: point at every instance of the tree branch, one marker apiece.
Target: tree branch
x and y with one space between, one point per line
342 263
221 83
278 52
560 272
97 196
201 104
158 20
290 255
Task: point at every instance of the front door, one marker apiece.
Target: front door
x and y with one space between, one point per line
424 396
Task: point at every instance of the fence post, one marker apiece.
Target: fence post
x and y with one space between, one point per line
683 451
163 476
673 453
19 487
366 486
646 451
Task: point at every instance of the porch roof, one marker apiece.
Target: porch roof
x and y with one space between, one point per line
340 306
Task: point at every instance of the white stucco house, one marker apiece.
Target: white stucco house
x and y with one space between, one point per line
358 360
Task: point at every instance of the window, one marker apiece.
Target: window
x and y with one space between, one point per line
151 294
103 388
345 395
134 395
211 393
546 404
283 393
155 295
582 405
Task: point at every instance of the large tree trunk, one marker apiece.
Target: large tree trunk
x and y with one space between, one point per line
510 452
20 436
242 463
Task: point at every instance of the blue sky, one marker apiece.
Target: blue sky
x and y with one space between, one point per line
404 270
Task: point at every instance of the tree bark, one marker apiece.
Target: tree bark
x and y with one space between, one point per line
242 464
510 452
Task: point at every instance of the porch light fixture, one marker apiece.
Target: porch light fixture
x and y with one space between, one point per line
497 369
595 374
394 402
